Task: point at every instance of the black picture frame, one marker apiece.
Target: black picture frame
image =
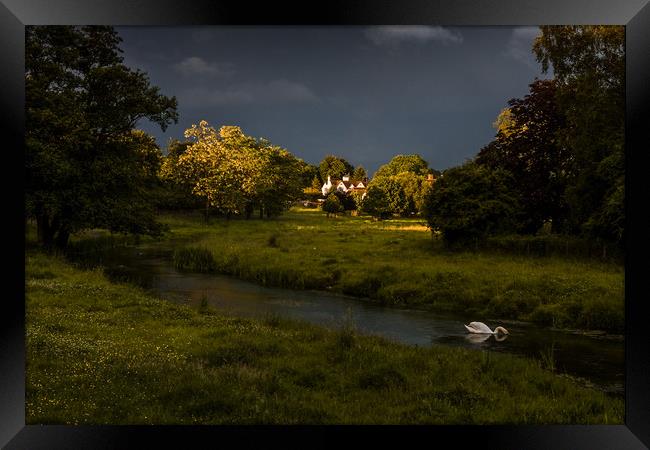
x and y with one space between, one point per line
634 14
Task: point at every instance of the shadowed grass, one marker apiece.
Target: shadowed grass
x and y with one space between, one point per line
103 353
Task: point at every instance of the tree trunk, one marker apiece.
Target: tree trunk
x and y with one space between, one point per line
45 230
207 212
62 238
261 212
41 223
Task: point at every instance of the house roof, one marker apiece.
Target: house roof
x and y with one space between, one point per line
337 181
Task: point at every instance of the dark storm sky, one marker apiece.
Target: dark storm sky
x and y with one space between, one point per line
363 93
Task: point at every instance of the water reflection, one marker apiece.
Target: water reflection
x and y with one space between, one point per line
478 338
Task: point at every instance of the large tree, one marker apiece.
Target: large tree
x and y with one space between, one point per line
307 174
403 163
588 63
222 167
403 182
471 202
84 165
527 146
376 203
280 183
332 205
236 173
334 167
176 191
359 173
393 192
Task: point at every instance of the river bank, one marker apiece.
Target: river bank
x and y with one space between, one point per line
99 352
396 262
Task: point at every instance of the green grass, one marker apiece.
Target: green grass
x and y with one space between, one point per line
103 353
397 262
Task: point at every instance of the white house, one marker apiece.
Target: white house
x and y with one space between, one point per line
343 185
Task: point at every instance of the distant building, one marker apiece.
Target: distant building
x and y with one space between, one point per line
345 185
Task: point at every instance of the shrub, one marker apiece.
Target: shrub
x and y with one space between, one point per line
471 202
332 205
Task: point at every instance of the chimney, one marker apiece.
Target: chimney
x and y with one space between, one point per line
430 178
346 177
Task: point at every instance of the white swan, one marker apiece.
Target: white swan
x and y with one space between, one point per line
481 328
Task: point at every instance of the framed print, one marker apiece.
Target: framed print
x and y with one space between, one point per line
416 220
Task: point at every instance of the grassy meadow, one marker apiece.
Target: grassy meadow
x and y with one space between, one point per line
105 353
397 262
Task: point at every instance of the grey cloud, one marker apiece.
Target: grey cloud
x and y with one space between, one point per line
519 47
195 65
391 35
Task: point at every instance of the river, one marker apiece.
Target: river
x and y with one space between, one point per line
594 360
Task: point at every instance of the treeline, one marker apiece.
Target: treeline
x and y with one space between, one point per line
87 166
397 188
557 160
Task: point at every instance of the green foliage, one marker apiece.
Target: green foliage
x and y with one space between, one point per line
527 147
413 188
196 259
376 203
334 167
564 246
471 202
222 166
347 200
589 64
358 198
280 183
316 183
403 182
403 163
308 172
175 191
393 192
332 204
236 173
564 142
359 173
85 165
